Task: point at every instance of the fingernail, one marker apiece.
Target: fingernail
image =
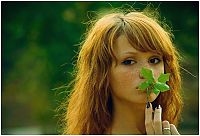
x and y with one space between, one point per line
159 107
148 105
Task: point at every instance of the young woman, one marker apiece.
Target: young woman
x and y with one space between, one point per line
105 98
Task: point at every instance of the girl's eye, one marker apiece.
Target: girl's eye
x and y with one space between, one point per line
154 60
128 62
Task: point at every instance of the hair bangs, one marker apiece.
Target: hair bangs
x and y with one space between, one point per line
147 35
111 37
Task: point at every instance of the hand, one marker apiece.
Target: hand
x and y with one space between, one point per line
154 124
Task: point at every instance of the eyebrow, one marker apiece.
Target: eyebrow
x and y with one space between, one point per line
136 53
129 52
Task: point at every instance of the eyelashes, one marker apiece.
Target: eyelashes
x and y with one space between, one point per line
154 61
129 62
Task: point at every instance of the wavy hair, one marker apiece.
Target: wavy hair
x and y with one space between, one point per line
89 109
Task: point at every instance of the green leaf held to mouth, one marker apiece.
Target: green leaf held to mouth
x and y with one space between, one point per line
151 85
147 74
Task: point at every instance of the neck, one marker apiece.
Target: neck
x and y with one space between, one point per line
128 118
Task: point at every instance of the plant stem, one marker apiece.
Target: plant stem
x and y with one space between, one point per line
147 94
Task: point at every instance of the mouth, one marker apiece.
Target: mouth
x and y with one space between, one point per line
137 88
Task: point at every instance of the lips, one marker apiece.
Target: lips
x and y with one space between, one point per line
137 88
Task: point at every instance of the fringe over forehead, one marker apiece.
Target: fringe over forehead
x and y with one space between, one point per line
143 33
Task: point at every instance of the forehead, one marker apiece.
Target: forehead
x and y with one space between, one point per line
123 47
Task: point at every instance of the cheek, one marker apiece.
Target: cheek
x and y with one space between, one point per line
121 79
158 71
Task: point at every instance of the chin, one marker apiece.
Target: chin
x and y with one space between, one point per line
152 97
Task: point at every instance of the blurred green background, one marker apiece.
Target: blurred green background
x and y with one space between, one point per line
39 42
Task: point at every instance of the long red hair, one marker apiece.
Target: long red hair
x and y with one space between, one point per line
89 108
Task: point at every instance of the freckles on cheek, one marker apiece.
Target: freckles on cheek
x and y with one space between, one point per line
122 77
126 77
157 72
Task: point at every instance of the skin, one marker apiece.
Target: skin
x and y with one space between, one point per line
130 115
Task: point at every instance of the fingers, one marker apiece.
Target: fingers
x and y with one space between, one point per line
148 120
166 128
158 121
154 123
173 129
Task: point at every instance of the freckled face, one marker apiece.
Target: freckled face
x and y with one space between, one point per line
125 77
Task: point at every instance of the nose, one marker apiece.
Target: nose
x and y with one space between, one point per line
143 65
141 77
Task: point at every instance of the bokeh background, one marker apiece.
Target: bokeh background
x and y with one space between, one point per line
39 42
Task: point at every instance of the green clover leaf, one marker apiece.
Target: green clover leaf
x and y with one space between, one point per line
144 85
163 78
161 86
156 91
151 85
147 74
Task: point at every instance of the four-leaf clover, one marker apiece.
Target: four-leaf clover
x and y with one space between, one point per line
151 85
